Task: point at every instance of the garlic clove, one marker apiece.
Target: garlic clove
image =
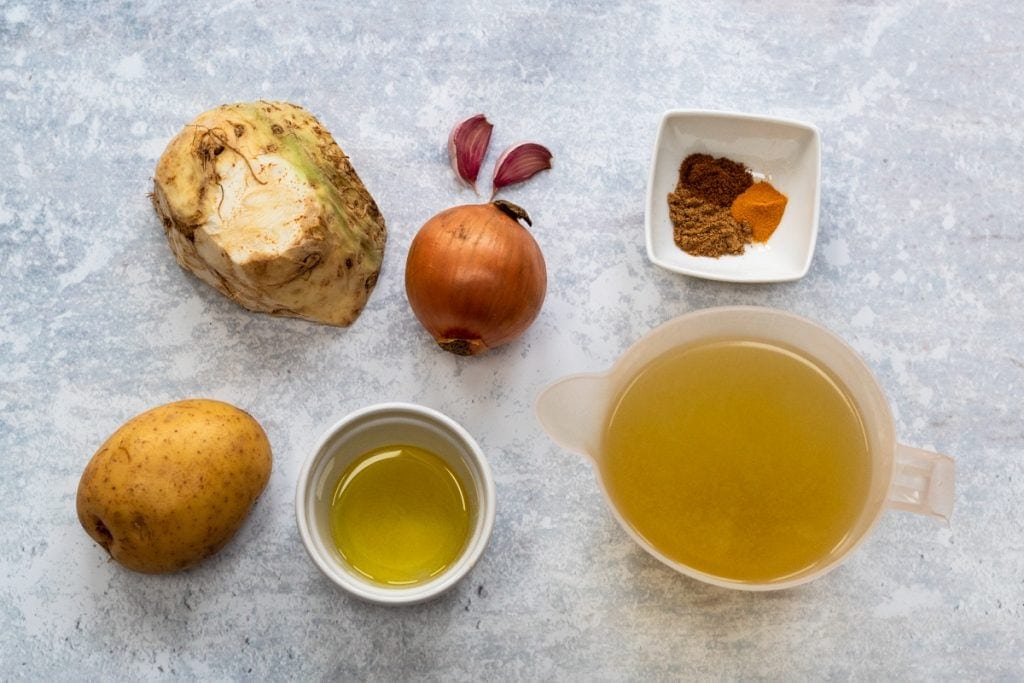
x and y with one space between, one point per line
520 162
467 145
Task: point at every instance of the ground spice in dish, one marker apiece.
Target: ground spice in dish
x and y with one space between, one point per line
718 180
761 206
699 206
705 229
717 209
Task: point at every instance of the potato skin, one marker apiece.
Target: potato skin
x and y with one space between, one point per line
172 486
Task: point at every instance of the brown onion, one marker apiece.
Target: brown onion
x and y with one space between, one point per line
475 277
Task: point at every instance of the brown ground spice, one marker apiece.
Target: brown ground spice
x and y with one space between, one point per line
718 180
702 228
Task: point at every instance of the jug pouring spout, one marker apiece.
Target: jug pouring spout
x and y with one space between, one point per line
572 412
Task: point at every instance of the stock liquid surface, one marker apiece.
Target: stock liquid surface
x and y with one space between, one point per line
739 459
399 515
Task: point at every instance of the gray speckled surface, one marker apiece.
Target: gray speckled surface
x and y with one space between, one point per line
918 265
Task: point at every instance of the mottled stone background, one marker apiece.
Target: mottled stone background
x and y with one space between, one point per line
918 265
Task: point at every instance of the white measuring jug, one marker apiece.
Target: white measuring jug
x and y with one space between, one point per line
575 410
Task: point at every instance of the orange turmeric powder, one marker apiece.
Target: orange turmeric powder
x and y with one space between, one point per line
760 206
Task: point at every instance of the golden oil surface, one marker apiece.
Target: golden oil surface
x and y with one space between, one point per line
739 459
400 515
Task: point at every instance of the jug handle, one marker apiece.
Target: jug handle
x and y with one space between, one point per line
923 483
571 410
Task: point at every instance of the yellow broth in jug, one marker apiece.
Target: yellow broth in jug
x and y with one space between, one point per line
739 459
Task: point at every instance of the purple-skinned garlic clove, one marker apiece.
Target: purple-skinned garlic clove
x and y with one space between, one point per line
467 145
520 162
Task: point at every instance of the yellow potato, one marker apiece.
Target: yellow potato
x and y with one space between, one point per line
174 484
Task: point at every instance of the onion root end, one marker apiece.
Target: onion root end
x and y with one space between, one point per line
462 347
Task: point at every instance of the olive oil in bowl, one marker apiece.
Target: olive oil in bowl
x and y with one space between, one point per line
742 460
400 515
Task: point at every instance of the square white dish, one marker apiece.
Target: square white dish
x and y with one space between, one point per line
786 153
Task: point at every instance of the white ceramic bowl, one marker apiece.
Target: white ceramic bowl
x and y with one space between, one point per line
788 155
381 425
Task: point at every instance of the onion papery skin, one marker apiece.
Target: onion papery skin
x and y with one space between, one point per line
475 277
